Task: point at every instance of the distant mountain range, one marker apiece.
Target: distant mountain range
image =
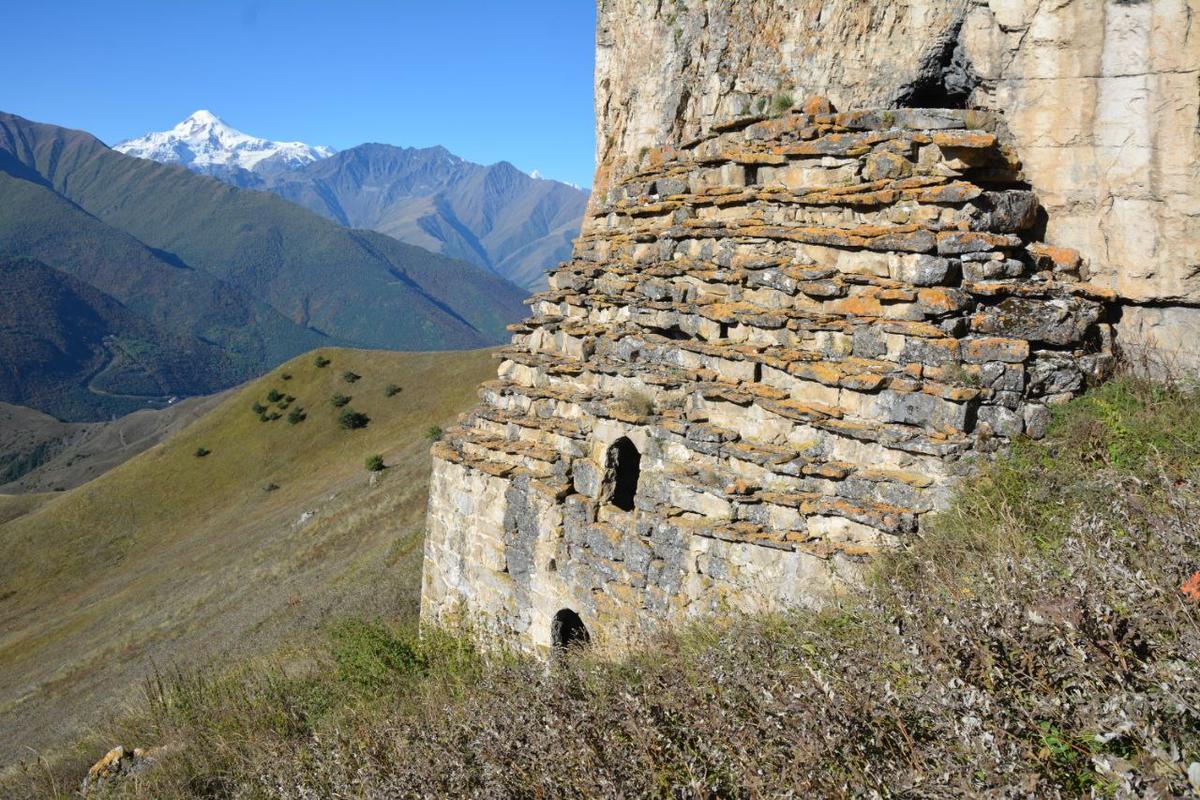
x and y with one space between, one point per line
496 217
183 284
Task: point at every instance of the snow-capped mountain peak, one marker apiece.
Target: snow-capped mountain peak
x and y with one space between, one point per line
205 143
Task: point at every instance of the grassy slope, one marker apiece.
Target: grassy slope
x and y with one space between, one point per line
1033 642
49 455
172 558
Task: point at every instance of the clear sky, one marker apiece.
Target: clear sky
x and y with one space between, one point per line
490 79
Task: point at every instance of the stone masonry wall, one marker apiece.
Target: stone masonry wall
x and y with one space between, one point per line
1101 97
798 332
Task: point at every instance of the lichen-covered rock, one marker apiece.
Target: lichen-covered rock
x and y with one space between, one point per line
118 763
750 380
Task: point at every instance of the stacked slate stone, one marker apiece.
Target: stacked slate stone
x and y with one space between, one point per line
802 330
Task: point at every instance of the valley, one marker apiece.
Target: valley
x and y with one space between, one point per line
175 558
39 453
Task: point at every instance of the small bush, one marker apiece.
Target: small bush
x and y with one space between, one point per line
258 408
434 433
781 104
287 398
640 403
320 362
287 376
201 452
270 487
274 396
339 400
353 420
351 377
274 415
296 416
392 390
375 463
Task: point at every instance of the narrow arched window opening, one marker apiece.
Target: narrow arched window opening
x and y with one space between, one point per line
567 630
623 467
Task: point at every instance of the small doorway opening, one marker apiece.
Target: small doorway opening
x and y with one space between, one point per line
623 468
568 631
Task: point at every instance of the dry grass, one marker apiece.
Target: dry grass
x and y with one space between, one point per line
172 559
1033 643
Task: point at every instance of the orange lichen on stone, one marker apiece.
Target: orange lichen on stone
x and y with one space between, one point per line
1191 588
978 140
1059 259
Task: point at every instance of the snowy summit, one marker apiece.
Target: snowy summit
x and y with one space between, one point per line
204 143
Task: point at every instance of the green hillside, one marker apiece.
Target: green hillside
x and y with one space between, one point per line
77 353
179 558
39 453
38 223
356 286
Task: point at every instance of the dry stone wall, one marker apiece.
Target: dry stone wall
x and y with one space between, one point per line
777 346
1101 97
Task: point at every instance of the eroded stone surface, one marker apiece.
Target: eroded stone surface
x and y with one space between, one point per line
807 327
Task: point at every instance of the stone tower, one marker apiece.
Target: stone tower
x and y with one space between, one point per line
774 349
786 331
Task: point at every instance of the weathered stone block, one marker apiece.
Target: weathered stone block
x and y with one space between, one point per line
978 351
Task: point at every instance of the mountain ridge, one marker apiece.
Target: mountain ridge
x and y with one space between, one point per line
73 351
494 216
259 277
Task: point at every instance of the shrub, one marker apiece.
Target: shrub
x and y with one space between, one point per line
274 396
350 377
375 463
270 487
258 408
639 402
353 420
339 400
370 656
274 415
296 416
391 390
201 452
320 362
287 376
434 433
781 104
287 398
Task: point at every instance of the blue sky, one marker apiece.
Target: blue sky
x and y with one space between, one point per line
490 79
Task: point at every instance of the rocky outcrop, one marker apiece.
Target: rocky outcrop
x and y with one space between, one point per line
776 347
1101 98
